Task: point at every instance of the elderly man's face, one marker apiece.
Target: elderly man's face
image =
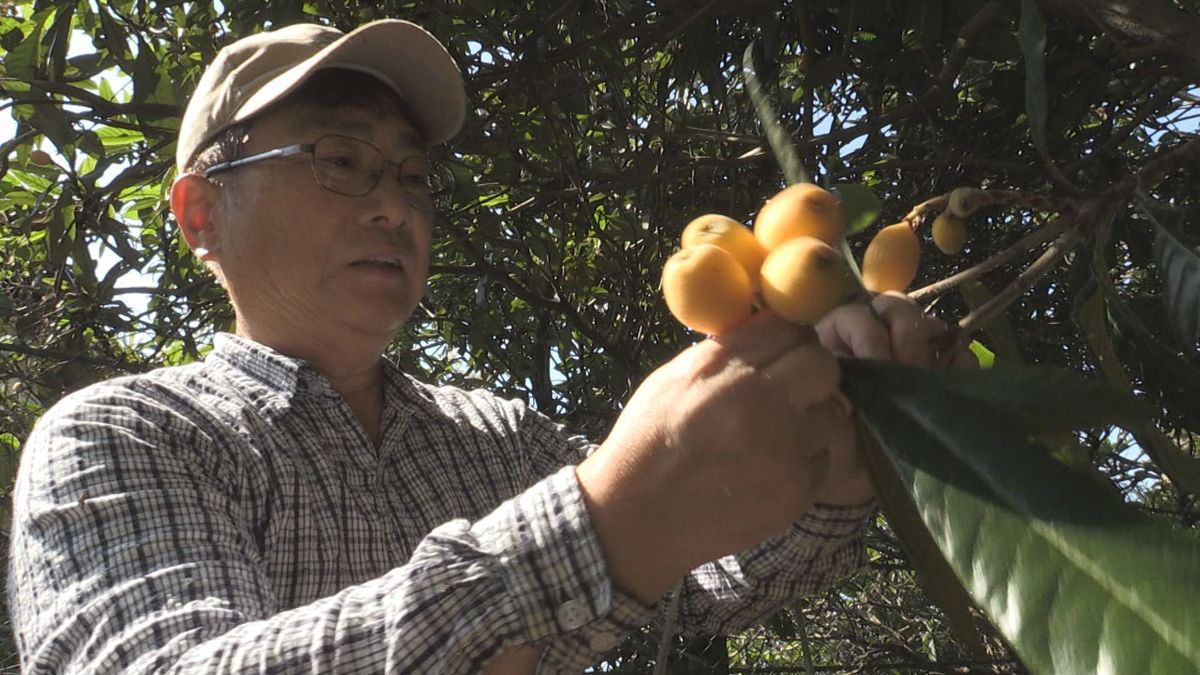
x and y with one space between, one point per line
299 257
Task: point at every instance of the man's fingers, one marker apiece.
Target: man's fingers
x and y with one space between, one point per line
961 357
912 334
807 374
761 339
854 330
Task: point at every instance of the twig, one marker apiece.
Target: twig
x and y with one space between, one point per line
68 357
100 104
1016 288
983 198
1022 246
1156 169
1119 136
931 204
1031 200
668 630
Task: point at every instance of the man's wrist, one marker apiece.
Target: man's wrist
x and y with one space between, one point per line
642 561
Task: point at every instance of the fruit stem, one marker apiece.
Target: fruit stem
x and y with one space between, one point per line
984 197
1023 245
919 211
859 293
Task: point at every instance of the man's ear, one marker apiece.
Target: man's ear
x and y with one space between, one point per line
193 201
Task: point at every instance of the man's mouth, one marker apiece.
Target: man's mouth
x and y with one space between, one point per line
386 262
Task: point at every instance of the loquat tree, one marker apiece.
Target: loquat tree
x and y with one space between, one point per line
1039 515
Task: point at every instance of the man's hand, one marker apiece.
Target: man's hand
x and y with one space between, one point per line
892 329
733 440
719 449
520 660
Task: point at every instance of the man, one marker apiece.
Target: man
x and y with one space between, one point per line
295 503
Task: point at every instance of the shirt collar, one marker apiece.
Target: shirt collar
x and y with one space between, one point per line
276 379
262 371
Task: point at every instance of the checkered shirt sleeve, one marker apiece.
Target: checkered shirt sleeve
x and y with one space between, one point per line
231 516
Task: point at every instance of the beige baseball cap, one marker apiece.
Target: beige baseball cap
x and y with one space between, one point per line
254 72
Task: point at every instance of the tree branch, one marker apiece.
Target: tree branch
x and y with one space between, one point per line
1023 245
104 106
1147 27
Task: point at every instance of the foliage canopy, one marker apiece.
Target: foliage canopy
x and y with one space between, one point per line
599 128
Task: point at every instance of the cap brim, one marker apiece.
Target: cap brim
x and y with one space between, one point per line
405 56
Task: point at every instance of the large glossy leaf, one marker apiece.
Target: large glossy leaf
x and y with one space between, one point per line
1032 37
1059 564
1179 267
778 137
1034 399
934 574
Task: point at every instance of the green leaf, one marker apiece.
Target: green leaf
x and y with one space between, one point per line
1179 268
21 63
860 206
1058 563
1032 38
934 574
781 143
985 356
1036 399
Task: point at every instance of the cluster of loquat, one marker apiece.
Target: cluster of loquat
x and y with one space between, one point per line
790 262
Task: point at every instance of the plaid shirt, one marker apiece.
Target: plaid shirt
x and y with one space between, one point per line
233 516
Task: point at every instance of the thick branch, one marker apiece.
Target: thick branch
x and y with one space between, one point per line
1143 26
104 106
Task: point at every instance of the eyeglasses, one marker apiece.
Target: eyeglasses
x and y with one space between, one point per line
353 167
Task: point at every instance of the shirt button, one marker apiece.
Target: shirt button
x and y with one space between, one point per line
572 615
602 642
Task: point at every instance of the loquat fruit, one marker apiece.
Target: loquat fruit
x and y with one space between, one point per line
803 278
800 210
729 234
706 289
949 232
39 157
891 259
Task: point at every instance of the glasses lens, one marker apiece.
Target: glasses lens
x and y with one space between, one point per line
417 183
346 165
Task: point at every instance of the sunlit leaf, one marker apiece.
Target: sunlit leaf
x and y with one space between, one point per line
1058 563
860 206
985 356
934 574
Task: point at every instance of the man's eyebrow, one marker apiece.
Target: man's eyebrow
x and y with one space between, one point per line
363 128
